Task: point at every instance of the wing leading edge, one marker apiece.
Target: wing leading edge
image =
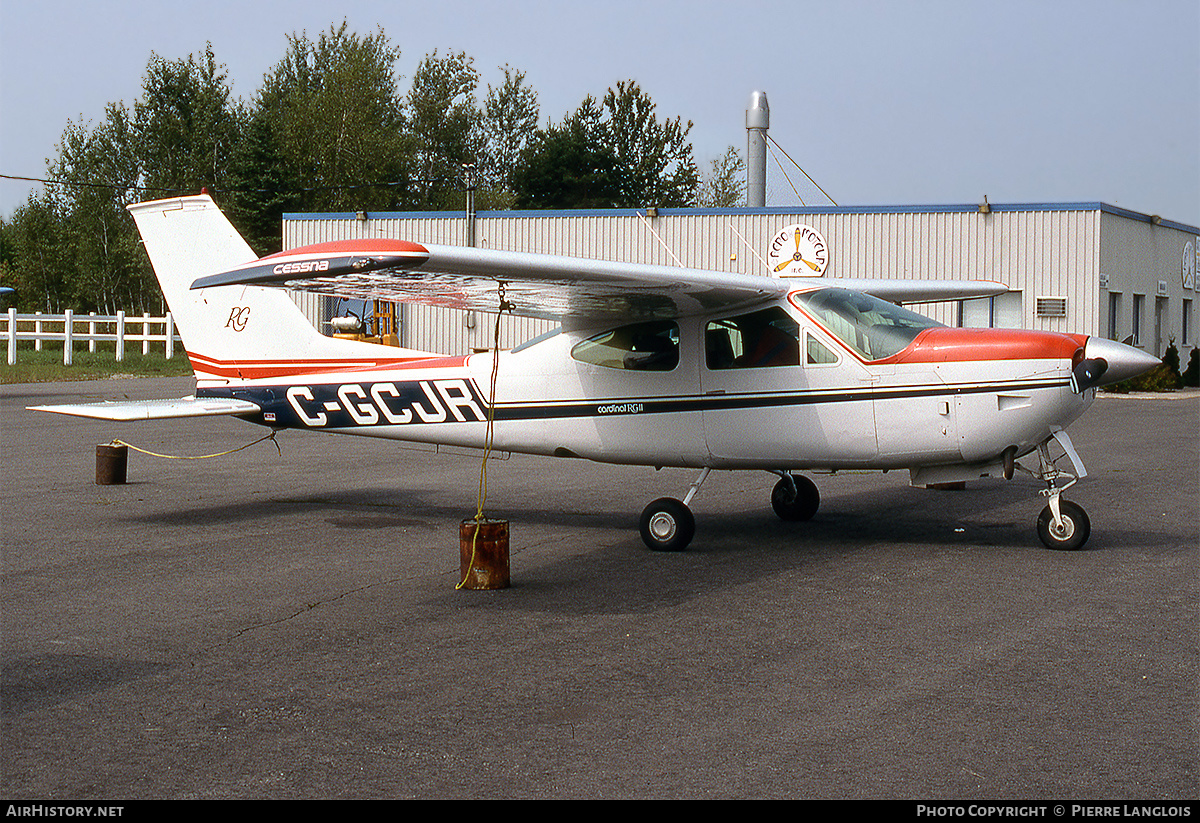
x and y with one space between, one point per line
545 286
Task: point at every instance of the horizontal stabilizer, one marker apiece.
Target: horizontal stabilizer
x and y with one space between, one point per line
155 409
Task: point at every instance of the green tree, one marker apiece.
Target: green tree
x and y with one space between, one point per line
725 185
105 268
187 128
615 153
332 110
263 186
510 120
37 259
563 167
446 126
1191 375
654 159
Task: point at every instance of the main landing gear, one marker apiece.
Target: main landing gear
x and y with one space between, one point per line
667 524
795 497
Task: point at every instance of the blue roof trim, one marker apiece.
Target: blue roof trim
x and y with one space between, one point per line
927 208
416 215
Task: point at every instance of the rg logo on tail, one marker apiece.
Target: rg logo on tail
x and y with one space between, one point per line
237 318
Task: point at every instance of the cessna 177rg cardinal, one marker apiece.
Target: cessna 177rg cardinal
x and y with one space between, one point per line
651 365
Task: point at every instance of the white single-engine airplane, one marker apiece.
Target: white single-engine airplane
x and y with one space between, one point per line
652 365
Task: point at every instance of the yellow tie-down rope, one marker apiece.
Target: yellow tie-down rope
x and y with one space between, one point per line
271 436
487 439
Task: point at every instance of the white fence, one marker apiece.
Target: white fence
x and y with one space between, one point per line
69 329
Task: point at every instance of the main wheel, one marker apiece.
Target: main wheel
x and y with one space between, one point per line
667 525
1074 532
797 505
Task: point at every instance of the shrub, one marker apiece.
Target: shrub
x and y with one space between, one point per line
1191 375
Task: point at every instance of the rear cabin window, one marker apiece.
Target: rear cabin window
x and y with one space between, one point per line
651 346
758 340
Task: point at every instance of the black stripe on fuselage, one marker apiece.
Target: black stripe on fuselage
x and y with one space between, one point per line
360 405
751 400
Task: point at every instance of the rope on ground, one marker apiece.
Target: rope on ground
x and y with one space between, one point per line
488 434
271 437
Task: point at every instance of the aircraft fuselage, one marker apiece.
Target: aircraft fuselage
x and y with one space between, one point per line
950 396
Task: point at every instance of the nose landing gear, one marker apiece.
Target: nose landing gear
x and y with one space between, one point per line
1066 532
667 525
1062 525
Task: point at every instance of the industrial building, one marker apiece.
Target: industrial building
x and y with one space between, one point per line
1090 268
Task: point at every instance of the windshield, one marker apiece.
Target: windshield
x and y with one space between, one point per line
872 327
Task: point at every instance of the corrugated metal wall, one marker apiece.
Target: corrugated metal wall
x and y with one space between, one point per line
1042 251
1142 258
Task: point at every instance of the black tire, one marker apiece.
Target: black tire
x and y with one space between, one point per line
1075 530
801 505
667 525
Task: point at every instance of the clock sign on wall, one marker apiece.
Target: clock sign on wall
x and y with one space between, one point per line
1188 270
798 251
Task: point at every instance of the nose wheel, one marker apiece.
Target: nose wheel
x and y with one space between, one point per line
1069 531
1062 525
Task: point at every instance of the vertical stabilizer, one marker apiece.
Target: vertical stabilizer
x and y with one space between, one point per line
236 332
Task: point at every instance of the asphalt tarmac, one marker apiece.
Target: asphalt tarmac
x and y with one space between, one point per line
266 625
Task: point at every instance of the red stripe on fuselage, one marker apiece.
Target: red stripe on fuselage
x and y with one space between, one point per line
942 345
259 369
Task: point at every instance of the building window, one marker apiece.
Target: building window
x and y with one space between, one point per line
1114 315
1135 325
1187 323
1161 313
979 313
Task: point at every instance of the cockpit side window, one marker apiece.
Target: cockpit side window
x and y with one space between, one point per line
872 327
761 339
651 346
817 353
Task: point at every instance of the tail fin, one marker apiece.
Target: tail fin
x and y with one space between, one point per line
237 332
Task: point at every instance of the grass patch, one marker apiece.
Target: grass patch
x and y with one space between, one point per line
46 366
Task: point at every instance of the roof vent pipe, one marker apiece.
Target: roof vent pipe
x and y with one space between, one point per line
757 120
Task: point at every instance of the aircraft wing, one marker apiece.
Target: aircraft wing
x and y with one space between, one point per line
545 286
155 409
910 291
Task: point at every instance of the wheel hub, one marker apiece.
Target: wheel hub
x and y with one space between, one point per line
1063 531
662 526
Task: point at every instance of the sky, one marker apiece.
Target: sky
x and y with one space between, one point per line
881 103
